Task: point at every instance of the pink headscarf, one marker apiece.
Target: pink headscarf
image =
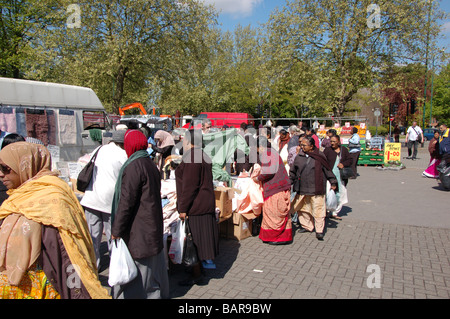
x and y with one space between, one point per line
134 141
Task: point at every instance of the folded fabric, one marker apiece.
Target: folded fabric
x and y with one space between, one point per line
250 200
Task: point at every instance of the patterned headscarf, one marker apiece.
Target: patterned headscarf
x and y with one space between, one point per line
135 141
29 161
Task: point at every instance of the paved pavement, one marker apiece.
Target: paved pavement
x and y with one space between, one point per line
391 243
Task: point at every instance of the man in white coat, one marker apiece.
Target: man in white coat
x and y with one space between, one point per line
98 197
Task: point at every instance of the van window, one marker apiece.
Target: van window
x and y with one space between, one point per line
94 120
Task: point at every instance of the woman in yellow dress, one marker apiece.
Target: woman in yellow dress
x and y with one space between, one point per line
45 247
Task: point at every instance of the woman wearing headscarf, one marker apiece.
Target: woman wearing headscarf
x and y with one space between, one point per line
312 171
195 202
338 157
276 226
164 145
137 218
283 150
46 250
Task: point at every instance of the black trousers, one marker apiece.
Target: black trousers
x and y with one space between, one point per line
355 158
412 144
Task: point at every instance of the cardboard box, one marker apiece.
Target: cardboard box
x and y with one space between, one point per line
223 197
238 227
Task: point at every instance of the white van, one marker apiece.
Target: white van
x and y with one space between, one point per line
70 120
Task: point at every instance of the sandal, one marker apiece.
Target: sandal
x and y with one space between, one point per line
336 217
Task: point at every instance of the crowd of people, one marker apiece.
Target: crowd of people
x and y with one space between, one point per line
50 239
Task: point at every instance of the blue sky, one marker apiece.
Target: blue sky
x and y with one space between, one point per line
253 12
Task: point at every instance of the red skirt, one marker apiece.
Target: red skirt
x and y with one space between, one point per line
276 224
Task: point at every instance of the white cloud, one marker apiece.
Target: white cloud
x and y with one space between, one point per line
446 27
236 7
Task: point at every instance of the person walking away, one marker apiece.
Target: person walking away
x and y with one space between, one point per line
276 226
98 197
338 157
396 133
435 157
195 203
309 175
137 218
414 136
354 148
43 232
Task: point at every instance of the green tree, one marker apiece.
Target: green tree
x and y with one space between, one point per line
121 47
441 96
19 19
346 42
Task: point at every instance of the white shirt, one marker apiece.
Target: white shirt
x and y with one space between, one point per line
100 192
413 133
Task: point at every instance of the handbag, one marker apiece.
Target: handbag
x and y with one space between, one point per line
190 257
85 176
122 268
419 136
346 172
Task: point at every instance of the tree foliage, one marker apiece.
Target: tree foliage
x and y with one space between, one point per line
310 59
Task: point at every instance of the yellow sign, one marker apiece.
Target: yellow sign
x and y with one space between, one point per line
392 152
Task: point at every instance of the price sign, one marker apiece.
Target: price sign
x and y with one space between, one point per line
392 152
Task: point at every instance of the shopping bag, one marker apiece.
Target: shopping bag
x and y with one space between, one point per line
331 200
190 257
177 244
122 268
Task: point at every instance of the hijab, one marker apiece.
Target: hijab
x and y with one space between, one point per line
165 139
134 141
284 139
29 161
42 199
135 144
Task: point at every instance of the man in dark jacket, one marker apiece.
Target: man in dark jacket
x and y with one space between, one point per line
309 174
138 219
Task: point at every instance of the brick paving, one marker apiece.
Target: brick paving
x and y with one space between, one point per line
412 253
414 263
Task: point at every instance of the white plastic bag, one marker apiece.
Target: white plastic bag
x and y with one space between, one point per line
122 268
331 200
177 244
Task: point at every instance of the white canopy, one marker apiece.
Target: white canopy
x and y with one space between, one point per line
14 92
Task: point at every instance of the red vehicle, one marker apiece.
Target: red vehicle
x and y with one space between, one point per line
219 119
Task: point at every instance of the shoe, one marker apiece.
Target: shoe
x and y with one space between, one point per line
275 243
208 264
200 281
302 230
413 158
319 236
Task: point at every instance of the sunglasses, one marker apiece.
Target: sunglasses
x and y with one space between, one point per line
5 169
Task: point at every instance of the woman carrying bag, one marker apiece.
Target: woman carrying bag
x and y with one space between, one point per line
340 161
196 205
